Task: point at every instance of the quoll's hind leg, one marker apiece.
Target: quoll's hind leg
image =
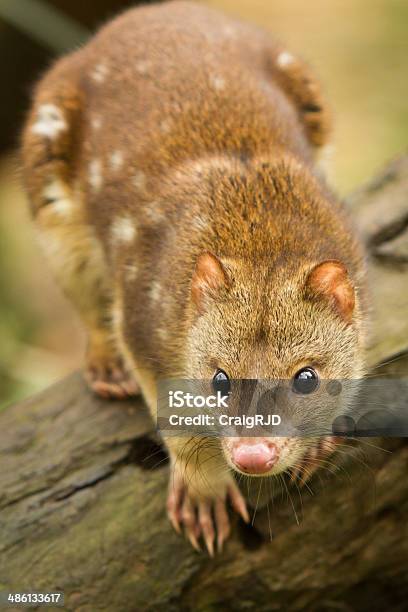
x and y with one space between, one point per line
106 371
50 148
77 260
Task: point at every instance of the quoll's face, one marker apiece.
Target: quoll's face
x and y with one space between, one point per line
299 350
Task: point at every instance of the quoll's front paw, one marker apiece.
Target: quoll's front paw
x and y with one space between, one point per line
203 517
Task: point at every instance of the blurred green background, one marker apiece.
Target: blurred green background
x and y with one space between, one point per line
358 48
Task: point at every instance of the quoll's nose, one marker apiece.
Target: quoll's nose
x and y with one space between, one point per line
255 458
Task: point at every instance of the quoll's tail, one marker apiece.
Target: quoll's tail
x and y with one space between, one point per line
300 84
51 135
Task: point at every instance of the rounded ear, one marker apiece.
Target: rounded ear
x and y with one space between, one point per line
329 281
209 278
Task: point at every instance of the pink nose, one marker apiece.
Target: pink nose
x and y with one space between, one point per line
255 458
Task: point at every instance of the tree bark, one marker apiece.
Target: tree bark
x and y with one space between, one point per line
83 484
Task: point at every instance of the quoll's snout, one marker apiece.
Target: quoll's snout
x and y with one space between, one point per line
256 457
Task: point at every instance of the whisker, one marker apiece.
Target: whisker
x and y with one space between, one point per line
267 508
257 501
290 499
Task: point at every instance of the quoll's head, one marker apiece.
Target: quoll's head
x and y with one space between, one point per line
297 330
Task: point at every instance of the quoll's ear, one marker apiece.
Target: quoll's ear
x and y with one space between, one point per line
209 279
330 281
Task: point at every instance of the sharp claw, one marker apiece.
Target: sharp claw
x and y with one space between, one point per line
175 522
173 504
222 523
188 518
221 539
245 514
209 542
207 527
220 544
238 502
210 547
193 541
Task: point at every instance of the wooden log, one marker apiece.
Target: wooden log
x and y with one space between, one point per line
83 485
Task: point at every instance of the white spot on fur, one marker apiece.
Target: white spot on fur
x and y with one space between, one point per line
117 317
229 31
155 291
96 123
116 160
153 213
100 72
139 180
284 59
50 122
142 67
131 272
57 195
325 159
218 83
198 168
123 230
95 174
204 165
177 107
165 126
200 223
163 333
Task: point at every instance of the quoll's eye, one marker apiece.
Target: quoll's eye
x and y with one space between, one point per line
305 381
221 383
